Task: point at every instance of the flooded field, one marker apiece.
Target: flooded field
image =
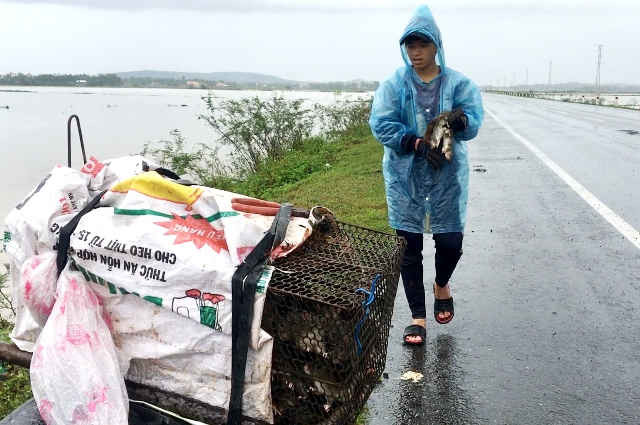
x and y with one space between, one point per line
115 122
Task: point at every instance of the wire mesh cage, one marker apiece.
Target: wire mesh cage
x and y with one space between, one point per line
329 308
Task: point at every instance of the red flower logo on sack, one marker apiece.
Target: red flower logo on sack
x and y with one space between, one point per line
93 167
196 230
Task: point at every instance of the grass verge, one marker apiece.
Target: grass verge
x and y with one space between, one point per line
15 388
349 180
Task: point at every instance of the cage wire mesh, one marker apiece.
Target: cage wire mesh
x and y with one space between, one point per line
328 308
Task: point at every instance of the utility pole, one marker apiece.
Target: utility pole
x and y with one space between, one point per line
599 62
549 83
526 76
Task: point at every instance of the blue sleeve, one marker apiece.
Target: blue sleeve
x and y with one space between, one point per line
467 96
385 119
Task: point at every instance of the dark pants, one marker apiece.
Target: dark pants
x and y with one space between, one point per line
448 252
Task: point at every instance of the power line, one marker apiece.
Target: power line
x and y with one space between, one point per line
599 62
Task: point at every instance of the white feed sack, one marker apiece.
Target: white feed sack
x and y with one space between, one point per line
62 192
153 251
181 356
175 246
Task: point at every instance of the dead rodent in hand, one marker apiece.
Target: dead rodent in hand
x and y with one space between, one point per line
440 136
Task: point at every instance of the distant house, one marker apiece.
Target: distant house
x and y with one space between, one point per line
81 82
193 84
221 84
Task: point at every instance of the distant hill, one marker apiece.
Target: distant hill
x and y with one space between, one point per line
229 77
184 80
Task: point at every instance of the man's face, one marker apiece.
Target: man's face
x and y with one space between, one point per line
421 53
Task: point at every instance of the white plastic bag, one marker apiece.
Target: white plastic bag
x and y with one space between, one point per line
75 374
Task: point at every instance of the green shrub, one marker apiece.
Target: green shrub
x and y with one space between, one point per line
336 118
171 153
5 298
203 164
270 142
257 130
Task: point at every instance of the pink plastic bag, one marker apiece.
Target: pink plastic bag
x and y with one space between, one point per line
75 375
37 287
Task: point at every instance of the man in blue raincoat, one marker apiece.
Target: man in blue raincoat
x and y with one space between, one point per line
419 180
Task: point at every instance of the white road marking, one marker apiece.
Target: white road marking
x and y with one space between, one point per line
614 219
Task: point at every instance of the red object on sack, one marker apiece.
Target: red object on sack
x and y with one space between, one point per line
193 293
213 298
255 206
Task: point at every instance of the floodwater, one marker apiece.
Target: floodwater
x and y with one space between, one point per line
115 122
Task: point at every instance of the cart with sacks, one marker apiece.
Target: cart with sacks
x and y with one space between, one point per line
142 298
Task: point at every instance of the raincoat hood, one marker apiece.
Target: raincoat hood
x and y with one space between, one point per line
423 22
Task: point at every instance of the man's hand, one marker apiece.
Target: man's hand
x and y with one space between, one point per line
457 120
433 156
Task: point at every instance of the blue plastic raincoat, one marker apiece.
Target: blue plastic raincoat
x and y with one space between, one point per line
415 189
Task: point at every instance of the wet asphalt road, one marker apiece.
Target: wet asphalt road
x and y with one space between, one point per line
547 293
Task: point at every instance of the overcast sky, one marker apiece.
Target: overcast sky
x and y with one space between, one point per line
319 40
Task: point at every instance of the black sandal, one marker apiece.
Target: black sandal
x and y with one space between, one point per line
443 306
415 330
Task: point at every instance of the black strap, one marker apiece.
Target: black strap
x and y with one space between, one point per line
244 283
443 306
64 241
84 155
164 172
